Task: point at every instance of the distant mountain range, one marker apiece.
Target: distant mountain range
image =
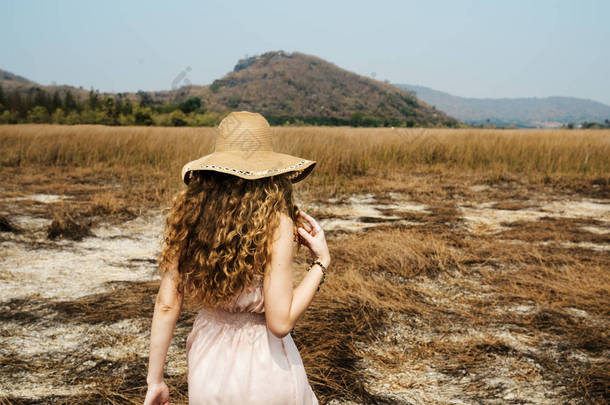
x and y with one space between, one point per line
520 112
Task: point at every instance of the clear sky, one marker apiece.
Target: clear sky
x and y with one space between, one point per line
486 48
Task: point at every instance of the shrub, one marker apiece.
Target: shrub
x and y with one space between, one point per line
190 105
38 115
143 116
88 116
8 117
127 119
234 101
110 112
177 118
73 118
58 117
208 119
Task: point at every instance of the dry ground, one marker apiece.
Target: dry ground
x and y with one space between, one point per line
454 280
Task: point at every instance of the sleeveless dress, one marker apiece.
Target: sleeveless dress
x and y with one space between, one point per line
233 358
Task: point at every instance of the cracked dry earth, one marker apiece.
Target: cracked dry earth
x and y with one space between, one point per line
76 314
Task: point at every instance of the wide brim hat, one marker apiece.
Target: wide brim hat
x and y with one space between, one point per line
243 147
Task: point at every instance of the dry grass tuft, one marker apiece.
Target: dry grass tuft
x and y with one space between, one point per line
7 226
66 225
107 204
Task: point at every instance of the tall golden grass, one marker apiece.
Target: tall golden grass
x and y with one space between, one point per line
342 152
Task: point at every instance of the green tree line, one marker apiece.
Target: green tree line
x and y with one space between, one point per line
40 106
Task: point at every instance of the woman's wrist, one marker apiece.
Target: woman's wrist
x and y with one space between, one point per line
154 380
325 260
320 263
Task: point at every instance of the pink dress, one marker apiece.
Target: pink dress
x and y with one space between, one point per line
233 358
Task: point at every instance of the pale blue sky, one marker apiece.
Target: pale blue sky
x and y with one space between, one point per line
481 48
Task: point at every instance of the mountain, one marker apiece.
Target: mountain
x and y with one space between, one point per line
10 81
521 112
279 84
10 77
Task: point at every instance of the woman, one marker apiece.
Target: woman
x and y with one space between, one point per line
230 239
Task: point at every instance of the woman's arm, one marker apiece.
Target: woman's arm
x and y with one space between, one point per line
167 309
283 304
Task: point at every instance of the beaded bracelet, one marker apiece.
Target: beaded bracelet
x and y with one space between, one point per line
323 271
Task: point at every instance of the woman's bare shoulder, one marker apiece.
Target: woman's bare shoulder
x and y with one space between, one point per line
285 226
284 234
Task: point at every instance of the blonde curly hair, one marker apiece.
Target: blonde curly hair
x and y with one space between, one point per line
220 229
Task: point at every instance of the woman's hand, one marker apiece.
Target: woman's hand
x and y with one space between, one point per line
157 394
313 238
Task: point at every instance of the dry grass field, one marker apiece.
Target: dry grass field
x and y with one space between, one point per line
469 266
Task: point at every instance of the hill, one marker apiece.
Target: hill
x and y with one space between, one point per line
13 78
10 81
295 86
521 112
279 84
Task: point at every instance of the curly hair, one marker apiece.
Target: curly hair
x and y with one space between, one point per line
220 230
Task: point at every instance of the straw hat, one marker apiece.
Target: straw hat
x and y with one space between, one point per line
243 148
